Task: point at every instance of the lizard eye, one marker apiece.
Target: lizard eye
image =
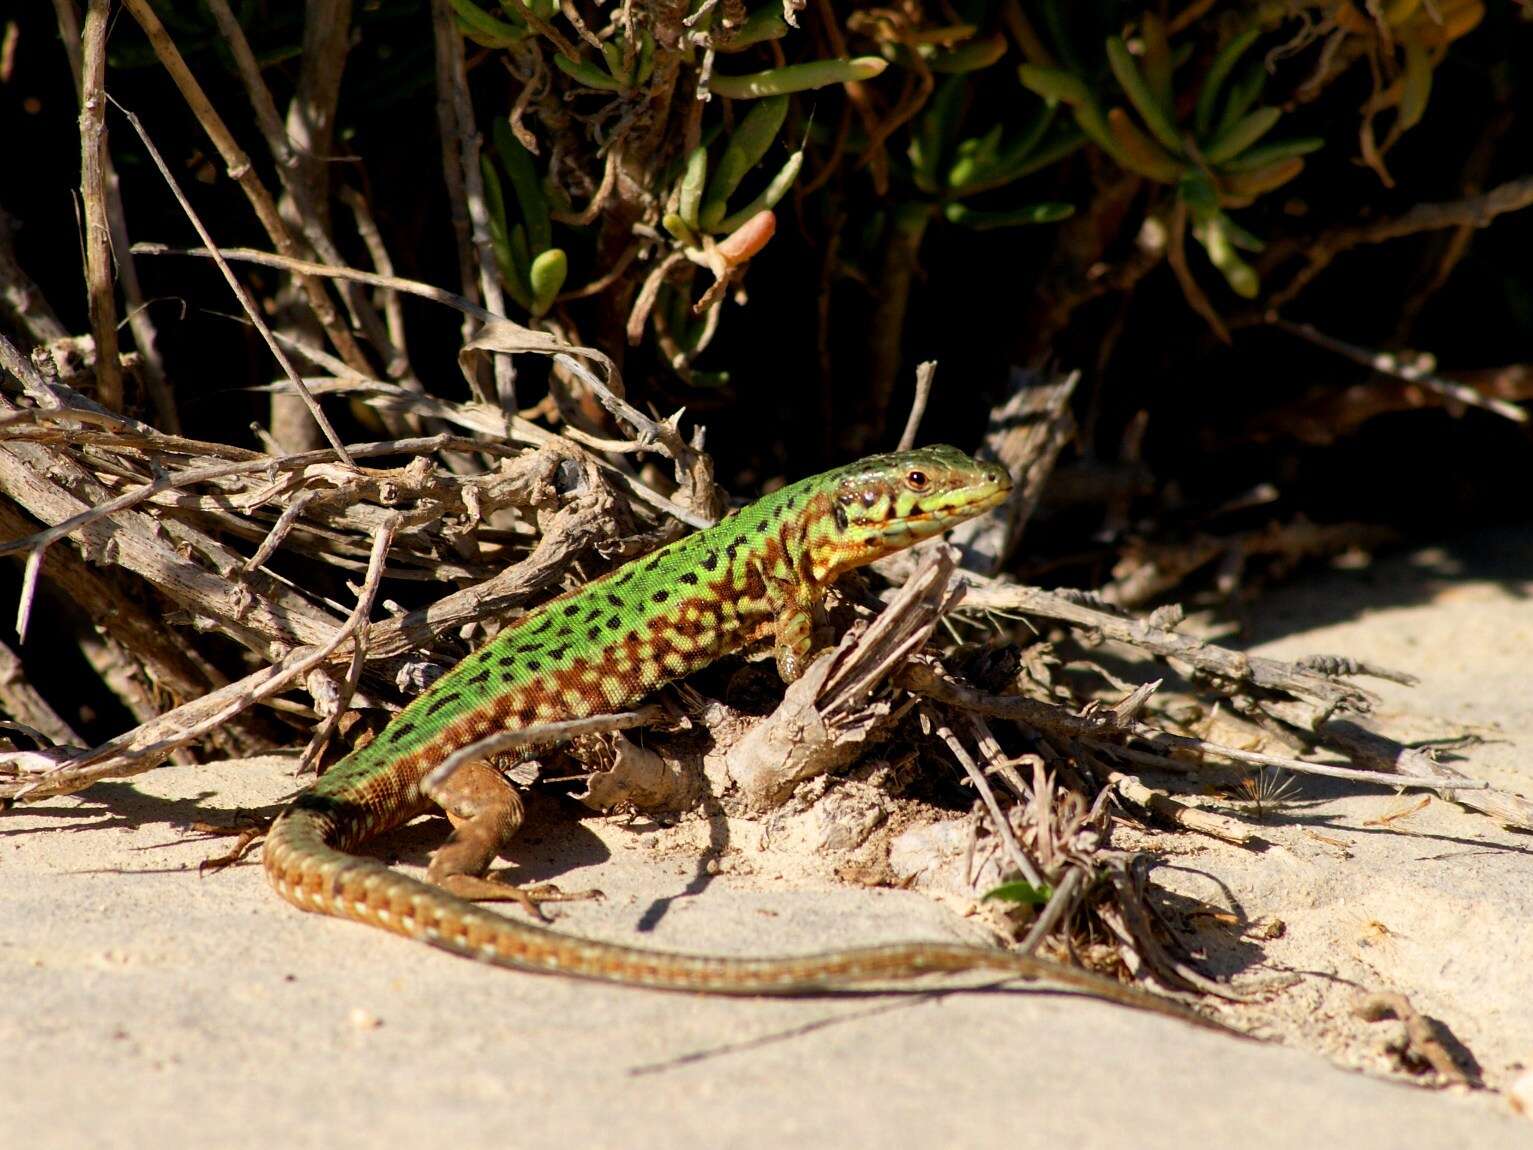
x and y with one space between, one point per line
916 480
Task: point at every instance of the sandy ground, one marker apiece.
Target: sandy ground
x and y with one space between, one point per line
146 1005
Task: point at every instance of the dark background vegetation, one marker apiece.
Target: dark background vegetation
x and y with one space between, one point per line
1225 416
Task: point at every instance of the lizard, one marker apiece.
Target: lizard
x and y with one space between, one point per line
758 576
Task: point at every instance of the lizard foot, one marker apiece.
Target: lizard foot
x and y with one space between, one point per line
247 836
530 898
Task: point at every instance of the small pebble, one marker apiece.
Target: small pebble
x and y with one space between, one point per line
1520 1094
364 1019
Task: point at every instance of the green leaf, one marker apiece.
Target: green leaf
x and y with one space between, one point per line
971 56
794 77
1199 194
495 204
1241 135
765 23
525 184
1418 84
1060 86
1042 213
1015 159
1243 93
1158 63
1215 238
1253 158
678 227
482 28
546 277
773 192
1134 86
1218 72
1055 84
933 138
521 262
693 181
586 73
744 150
1020 892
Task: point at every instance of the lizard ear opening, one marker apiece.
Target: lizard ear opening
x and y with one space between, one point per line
838 511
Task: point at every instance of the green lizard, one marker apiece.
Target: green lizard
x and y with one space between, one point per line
758 576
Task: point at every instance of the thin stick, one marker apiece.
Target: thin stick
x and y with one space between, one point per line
170 482
311 268
290 164
1003 829
1411 372
925 373
1176 255
279 531
377 250
364 608
31 380
449 59
538 733
1473 211
1258 759
111 757
1059 902
98 238
1096 729
243 173
237 288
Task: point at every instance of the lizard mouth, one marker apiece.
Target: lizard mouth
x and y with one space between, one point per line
971 502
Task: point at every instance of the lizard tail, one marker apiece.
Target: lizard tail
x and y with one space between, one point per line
312 874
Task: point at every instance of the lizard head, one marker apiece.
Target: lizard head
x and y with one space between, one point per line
885 503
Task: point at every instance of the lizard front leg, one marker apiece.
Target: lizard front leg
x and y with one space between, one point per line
798 622
486 812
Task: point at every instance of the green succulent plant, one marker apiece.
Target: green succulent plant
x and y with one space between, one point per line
531 267
1213 150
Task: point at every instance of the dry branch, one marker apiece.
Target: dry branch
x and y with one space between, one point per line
243 173
98 240
828 716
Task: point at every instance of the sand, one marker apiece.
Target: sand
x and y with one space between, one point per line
149 1005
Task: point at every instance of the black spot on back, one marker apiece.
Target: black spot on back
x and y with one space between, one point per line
595 610
594 634
653 563
687 577
444 701
624 575
557 653
400 731
709 561
614 622
661 595
614 600
571 609
482 677
534 666
508 660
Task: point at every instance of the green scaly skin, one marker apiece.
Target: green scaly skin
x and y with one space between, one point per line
757 577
